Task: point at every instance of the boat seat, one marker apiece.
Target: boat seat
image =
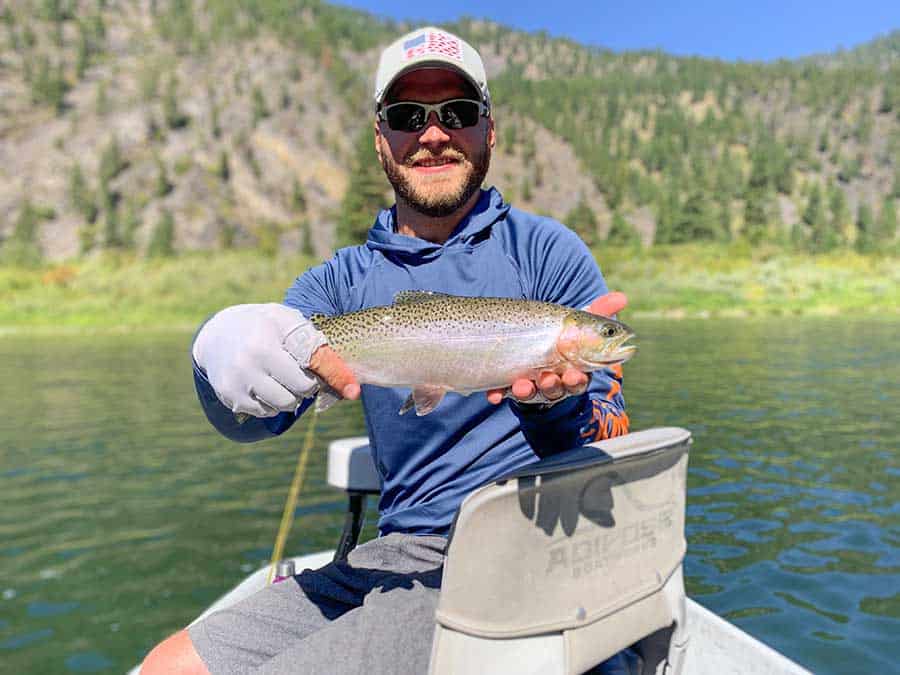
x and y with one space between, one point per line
566 562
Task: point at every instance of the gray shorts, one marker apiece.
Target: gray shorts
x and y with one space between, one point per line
372 614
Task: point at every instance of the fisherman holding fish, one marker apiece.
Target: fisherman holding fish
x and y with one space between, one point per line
552 376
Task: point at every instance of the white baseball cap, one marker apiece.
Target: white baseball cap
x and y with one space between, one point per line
430 47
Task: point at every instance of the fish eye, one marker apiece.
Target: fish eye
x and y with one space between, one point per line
608 330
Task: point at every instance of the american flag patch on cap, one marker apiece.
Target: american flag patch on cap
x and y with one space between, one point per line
434 43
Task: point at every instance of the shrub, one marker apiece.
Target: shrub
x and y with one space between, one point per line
162 239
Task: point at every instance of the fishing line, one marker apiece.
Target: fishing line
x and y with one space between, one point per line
287 518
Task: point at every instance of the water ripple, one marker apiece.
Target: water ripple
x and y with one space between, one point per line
121 504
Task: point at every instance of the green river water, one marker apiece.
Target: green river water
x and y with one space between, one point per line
124 514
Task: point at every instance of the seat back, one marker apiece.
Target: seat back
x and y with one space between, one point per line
565 563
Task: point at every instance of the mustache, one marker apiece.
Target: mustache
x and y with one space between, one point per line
420 155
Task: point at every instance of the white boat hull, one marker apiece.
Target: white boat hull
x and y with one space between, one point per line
715 647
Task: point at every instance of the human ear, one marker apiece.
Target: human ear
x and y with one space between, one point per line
377 139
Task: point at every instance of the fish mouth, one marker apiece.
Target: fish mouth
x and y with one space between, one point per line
614 352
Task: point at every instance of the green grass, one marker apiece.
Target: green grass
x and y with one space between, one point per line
718 280
120 292
128 293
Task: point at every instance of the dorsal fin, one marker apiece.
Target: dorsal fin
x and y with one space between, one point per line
408 297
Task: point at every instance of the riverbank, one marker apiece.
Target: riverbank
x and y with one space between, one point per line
123 293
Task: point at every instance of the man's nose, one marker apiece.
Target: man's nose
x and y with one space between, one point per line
433 133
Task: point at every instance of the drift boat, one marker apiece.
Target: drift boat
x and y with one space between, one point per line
589 564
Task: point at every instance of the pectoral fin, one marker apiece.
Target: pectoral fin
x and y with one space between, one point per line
424 399
326 397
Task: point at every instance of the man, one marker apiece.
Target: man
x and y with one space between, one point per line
434 133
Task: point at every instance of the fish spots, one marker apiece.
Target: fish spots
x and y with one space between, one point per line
445 315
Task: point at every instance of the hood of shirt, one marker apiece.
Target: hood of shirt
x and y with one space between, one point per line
489 208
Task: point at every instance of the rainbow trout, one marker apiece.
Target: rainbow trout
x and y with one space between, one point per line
435 343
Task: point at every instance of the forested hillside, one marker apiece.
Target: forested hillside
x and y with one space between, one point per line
157 126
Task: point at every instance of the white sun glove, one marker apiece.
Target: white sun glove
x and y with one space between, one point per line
256 358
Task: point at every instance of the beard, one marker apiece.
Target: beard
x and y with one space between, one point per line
437 199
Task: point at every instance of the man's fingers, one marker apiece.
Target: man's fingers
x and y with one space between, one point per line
273 395
283 368
550 385
523 389
326 363
609 304
255 408
495 396
575 381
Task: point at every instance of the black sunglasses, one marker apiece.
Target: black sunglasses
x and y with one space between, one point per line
411 116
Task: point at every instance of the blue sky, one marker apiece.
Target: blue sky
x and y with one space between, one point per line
750 30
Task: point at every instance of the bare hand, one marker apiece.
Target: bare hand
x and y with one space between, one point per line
327 364
572 381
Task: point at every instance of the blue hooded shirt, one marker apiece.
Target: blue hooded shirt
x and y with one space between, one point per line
429 464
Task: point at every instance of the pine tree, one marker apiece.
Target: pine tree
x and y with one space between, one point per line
172 114
176 24
756 219
798 237
783 171
865 229
223 171
621 232
162 239
87 238
890 95
526 189
365 194
814 214
840 215
306 243
163 184
29 39
260 109
696 219
227 233
102 101
725 219
112 163
83 54
728 177
97 29
80 195
668 212
22 248
529 150
583 222
759 171
268 237
822 236
215 125
131 222
49 86
887 222
298 197
111 233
